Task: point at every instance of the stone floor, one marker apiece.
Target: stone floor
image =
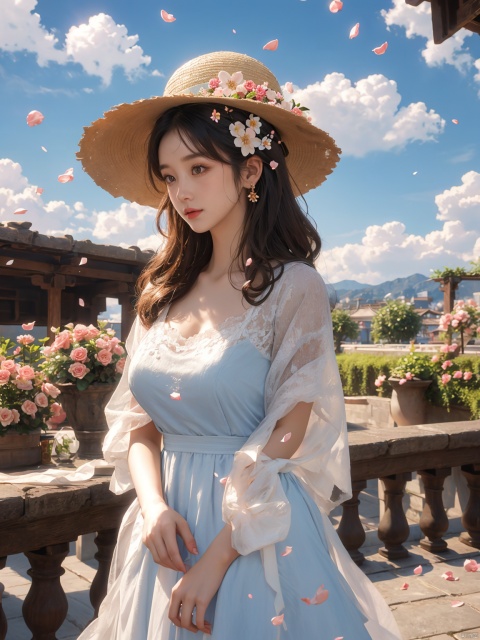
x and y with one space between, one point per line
423 611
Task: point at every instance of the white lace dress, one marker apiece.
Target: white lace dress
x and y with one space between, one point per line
213 397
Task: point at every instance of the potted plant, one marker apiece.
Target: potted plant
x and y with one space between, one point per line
86 364
27 401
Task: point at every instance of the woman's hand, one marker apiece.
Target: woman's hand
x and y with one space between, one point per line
161 525
193 592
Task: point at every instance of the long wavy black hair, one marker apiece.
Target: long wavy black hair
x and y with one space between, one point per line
276 229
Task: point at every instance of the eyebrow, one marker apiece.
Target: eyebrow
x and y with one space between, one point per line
190 156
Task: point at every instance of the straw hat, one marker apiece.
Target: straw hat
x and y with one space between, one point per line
113 149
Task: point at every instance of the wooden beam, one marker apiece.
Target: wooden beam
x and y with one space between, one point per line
98 274
54 310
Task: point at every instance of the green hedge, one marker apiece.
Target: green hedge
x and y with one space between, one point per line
358 372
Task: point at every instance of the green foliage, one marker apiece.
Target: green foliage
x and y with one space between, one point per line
343 327
358 372
419 365
458 272
396 322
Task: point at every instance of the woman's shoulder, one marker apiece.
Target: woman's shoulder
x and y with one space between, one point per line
300 278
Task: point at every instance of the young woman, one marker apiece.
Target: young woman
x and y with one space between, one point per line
229 418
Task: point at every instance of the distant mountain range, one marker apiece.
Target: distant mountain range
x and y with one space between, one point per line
409 287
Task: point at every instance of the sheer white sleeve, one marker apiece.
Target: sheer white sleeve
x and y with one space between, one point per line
303 369
123 414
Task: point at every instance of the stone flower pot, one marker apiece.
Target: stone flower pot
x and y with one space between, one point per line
409 405
19 450
86 415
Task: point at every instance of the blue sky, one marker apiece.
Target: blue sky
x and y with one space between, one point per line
405 197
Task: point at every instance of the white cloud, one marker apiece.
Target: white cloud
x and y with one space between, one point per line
154 242
374 101
417 21
99 46
124 224
157 74
388 251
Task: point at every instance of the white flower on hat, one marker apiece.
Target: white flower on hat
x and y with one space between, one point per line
247 140
230 83
237 128
272 95
254 123
266 143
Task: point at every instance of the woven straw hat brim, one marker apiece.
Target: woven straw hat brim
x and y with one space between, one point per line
113 149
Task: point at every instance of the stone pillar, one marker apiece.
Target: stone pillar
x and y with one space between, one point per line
393 529
105 541
350 530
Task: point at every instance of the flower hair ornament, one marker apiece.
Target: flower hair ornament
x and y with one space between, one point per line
113 148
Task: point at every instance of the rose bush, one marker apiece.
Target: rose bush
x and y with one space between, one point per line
83 356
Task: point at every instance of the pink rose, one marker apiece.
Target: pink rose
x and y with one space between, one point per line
28 326
114 341
297 111
454 324
402 381
104 357
48 351
26 372
435 358
4 376
102 344
80 331
446 364
445 348
249 86
63 340
260 92
56 409
80 354
467 375
93 332
29 407
452 347
118 350
17 351
409 376
6 417
78 370
41 400
16 416
26 339
50 389
119 367
458 375
446 378
24 385
213 83
8 365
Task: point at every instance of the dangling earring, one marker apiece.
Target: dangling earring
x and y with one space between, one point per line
253 195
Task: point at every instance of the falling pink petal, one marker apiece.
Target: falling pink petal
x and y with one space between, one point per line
339 638
273 165
336 6
380 50
278 620
354 31
250 596
215 474
287 552
167 16
471 565
19 212
83 261
9 262
455 121
39 191
405 586
223 480
418 570
81 302
319 598
248 262
448 575
234 31
175 395
289 87
28 326
286 437
66 177
271 46
43 149
34 118
457 603
414 173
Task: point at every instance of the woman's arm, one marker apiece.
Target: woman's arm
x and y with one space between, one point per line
161 523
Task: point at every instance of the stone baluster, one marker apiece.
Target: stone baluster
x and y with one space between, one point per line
471 516
434 520
105 541
350 529
393 529
3 619
45 606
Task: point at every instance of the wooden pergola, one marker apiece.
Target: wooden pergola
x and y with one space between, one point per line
449 286
448 16
42 278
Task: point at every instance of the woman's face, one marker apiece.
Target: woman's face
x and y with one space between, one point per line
203 191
